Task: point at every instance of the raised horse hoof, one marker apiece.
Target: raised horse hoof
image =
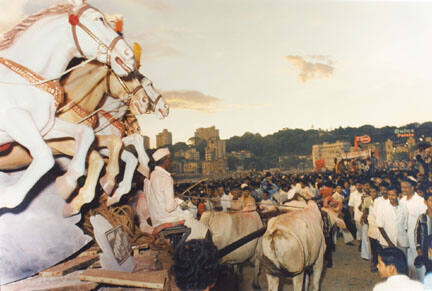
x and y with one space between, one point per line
66 184
107 184
68 210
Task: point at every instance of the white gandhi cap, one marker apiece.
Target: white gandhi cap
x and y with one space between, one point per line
160 153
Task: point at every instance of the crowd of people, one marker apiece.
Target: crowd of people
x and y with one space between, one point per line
388 210
382 207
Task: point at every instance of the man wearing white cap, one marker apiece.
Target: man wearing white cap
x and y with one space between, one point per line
162 205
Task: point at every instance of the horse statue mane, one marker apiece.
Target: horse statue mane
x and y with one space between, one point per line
9 36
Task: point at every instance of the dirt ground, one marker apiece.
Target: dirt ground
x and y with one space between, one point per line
349 272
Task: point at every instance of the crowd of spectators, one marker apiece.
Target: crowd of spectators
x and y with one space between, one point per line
381 207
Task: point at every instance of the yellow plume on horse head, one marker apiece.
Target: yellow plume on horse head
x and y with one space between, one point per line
116 22
137 53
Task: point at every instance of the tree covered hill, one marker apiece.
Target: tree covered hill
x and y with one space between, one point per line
294 142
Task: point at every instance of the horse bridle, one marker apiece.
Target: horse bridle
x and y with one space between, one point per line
74 21
151 105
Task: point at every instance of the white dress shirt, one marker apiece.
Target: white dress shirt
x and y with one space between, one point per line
226 202
378 203
416 206
373 231
399 283
355 201
164 208
394 220
160 197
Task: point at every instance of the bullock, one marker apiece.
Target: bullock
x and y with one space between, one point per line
293 245
228 227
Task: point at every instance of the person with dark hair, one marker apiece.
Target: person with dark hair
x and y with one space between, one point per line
428 263
373 231
196 265
392 264
268 185
392 222
304 189
225 198
332 205
266 204
366 201
416 206
326 190
354 204
422 230
248 201
345 208
236 203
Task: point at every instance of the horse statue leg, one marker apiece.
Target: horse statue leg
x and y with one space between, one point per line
138 142
22 129
114 144
126 184
84 137
87 193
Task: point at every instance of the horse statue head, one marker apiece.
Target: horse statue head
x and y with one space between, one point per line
157 103
138 92
64 31
93 34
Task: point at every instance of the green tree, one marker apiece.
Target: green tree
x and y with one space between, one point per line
179 146
233 163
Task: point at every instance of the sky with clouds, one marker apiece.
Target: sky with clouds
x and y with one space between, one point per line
260 66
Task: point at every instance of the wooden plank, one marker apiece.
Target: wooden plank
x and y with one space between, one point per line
90 252
154 280
69 282
147 263
69 266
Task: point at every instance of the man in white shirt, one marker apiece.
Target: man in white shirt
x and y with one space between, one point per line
192 205
266 204
416 206
305 191
162 205
354 203
378 203
392 222
392 265
381 199
282 194
225 198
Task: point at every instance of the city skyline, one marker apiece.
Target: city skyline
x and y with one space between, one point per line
263 66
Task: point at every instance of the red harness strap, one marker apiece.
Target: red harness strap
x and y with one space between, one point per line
51 87
115 122
5 147
91 121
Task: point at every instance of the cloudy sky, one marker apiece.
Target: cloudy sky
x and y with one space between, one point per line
260 66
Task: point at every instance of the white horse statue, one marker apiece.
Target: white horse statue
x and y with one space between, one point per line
133 137
130 94
34 51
